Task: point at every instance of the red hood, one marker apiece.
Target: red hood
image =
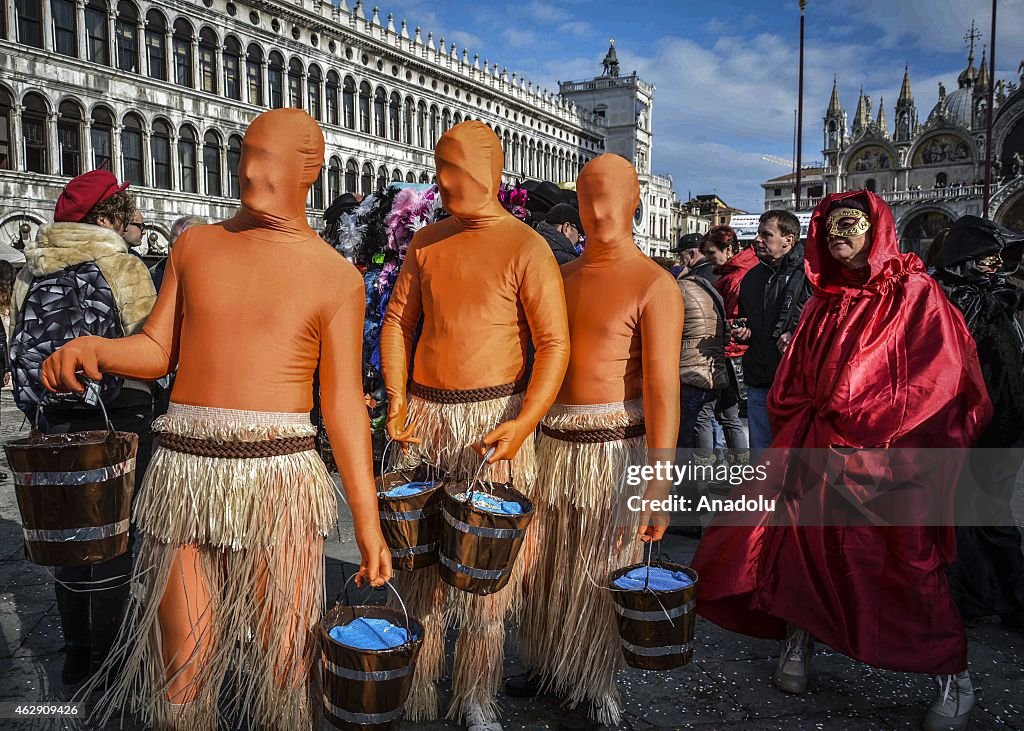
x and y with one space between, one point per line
743 261
826 275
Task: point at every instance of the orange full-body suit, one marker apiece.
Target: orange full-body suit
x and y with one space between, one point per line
484 284
625 325
249 308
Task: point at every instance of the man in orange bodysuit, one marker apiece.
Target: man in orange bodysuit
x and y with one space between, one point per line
625 325
484 284
236 502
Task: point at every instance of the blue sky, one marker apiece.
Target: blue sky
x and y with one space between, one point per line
726 72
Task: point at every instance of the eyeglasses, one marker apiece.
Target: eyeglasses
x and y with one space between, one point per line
142 226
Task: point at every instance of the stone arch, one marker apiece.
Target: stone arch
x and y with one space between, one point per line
919 226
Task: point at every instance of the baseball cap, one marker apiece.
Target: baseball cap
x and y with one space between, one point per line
83 193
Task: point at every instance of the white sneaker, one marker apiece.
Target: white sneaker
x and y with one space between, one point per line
475 719
951 710
791 673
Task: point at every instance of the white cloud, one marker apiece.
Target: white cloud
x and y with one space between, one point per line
519 38
576 28
465 40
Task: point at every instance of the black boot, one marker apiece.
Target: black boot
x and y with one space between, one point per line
73 607
108 606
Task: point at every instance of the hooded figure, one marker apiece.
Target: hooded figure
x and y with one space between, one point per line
484 285
625 324
976 260
235 505
880 361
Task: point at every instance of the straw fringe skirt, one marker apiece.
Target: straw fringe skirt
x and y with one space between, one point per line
583 530
447 431
252 529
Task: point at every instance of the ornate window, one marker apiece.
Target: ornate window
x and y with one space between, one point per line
160 151
211 162
351 171
208 60
65 27
126 32
395 117
97 33
30 22
187 153
254 74
295 83
182 43
349 103
366 179
332 97
364 107
313 81
156 45
234 158
6 118
69 138
275 74
131 150
233 68
102 137
33 133
380 104
334 179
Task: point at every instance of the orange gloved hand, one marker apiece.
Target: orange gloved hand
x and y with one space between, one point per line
375 567
62 372
506 439
398 414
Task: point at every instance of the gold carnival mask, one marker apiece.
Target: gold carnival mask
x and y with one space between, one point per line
848 222
994 261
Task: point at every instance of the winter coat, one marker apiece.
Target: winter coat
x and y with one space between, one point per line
702 358
561 247
771 298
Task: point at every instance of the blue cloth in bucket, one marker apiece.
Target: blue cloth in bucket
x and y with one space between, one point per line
492 504
408 489
369 633
661 579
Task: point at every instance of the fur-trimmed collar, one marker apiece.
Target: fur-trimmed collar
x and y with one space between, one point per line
62 245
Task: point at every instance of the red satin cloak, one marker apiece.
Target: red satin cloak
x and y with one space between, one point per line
880 360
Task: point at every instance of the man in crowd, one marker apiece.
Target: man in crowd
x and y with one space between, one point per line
693 260
772 296
561 228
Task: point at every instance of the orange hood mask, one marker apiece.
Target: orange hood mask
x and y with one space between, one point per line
609 194
469 160
282 155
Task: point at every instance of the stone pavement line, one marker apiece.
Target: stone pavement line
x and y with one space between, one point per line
727 686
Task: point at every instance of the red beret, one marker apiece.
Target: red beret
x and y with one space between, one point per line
83 193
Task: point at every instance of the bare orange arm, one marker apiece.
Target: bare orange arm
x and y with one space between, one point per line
396 344
348 425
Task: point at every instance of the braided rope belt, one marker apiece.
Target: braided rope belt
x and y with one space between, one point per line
468 396
236 450
595 436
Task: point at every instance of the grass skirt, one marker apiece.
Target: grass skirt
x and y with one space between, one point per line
253 532
447 431
569 629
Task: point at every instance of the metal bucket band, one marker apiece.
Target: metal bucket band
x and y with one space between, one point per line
364 718
595 436
409 514
374 676
470 571
81 477
92 533
414 550
655 651
467 396
656 615
481 531
236 450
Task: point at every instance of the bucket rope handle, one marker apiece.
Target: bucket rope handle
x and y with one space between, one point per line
383 462
91 396
388 584
476 477
647 578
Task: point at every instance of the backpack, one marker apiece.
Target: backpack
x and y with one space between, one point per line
60 307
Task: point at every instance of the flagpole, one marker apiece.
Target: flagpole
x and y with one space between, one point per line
988 122
800 107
